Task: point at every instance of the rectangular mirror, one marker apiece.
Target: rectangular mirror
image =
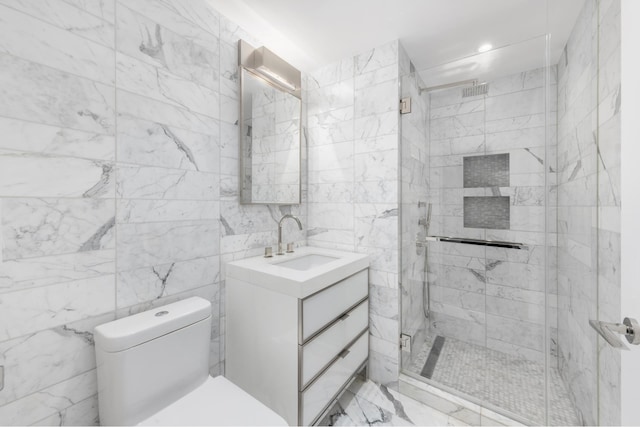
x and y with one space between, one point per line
270 112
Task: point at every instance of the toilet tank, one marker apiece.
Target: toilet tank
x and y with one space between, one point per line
149 360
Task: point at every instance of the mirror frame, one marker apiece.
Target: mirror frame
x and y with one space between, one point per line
246 61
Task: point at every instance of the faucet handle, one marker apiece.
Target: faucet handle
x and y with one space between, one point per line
268 252
289 248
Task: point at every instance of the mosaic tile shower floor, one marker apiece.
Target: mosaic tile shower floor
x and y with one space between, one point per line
512 383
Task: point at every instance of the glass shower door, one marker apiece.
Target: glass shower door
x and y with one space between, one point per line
478 166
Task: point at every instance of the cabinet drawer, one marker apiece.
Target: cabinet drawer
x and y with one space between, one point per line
326 386
318 353
324 307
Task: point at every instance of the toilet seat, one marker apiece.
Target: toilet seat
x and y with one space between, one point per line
216 402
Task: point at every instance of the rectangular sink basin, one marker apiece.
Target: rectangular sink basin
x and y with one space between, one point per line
299 274
306 262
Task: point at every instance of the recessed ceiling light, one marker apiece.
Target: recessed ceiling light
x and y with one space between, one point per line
485 47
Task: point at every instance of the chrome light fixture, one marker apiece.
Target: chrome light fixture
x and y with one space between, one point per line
270 67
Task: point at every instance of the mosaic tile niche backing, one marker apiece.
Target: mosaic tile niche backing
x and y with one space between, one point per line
487 212
482 172
486 171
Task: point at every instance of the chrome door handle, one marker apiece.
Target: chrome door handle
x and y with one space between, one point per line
611 332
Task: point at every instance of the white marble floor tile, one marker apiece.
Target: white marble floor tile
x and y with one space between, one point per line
368 403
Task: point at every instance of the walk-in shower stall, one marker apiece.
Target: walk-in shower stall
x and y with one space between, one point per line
505 176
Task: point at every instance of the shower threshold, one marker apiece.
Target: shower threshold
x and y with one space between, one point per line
452 403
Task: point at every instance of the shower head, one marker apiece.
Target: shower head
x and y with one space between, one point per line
472 82
475 90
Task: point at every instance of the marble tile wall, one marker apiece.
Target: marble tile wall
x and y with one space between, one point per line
589 209
118 184
492 296
353 181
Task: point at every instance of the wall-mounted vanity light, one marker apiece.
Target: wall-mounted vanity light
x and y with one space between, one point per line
265 63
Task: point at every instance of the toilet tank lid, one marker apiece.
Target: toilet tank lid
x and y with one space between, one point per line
133 330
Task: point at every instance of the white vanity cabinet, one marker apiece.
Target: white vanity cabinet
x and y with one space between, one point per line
296 351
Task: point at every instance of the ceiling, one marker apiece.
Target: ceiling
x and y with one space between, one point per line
312 33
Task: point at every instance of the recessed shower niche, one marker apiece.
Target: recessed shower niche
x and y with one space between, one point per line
489 172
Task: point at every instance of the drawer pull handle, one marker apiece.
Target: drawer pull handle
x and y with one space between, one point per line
344 317
344 353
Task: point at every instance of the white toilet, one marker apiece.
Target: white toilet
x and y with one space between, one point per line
153 369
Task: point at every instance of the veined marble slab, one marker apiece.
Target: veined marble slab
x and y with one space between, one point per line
67 17
140 211
54 47
104 9
134 105
336 96
378 166
376 225
49 402
377 58
331 157
376 98
43 227
37 309
151 143
522 103
148 244
197 22
144 79
373 78
69 353
142 38
81 413
37 93
142 182
149 283
332 73
25 273
41 139
465 107
376 125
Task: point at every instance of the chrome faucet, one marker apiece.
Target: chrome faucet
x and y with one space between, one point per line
280 252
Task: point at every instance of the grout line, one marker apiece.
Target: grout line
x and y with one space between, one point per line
235 200
115 152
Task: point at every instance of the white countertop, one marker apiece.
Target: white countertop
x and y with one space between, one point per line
267 273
